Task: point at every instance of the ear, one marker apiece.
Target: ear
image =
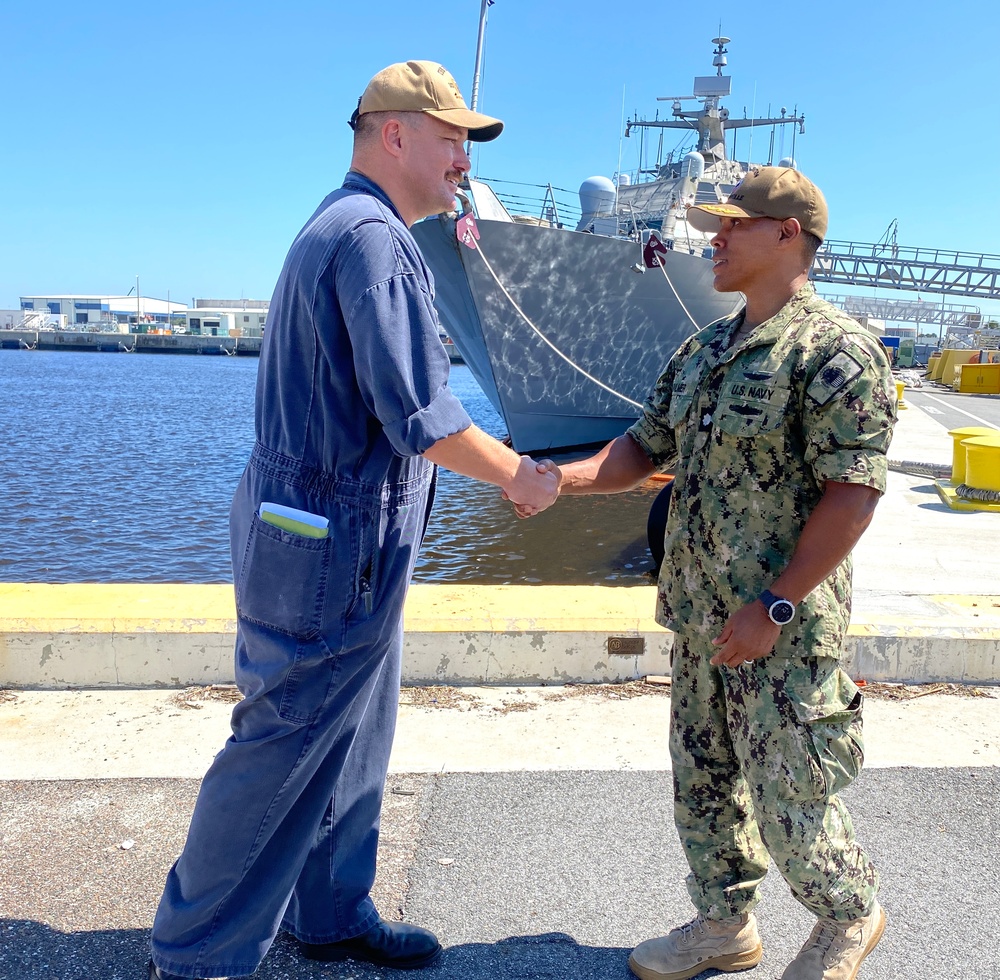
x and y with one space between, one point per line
392 137
790 230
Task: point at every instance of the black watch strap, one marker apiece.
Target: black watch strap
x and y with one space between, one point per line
779 610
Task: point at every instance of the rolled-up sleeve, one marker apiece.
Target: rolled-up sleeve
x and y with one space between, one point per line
402 367
400 363
850 409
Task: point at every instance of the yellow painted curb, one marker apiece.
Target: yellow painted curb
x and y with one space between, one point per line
101 608
97 608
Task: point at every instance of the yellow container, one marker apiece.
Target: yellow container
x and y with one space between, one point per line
958 450
946 369
961 358
932 363
943 364
980 379
982 462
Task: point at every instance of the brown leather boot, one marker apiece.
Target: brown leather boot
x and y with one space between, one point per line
701 944
836 950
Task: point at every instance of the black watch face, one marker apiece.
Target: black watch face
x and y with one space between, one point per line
782 612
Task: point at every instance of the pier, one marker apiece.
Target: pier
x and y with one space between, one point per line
129 343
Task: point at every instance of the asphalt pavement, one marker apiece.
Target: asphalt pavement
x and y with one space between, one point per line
521 874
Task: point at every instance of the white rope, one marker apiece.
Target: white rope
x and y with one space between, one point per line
694 322
559 353
663 269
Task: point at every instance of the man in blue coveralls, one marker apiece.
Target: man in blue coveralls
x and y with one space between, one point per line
353 411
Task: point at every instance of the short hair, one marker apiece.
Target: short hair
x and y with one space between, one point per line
368 125
812 244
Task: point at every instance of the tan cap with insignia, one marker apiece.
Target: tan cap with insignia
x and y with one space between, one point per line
425 86
767 192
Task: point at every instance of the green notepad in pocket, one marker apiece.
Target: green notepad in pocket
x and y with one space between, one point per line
294 521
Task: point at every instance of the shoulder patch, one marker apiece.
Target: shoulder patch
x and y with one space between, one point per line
833 377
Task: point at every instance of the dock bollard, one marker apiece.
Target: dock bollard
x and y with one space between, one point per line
899 395
958 453
982 462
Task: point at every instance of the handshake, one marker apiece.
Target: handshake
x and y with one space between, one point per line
535 486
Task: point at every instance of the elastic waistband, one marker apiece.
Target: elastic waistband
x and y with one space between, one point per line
335 486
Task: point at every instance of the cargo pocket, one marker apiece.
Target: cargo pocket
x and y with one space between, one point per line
283 581
307 683
831 714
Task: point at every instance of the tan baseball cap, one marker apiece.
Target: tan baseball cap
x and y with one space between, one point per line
768 192
425 86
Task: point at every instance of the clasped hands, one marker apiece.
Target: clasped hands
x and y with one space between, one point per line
535 486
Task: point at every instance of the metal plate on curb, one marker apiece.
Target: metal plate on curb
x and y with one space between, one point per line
626 646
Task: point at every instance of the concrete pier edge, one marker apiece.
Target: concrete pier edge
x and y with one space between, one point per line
109 636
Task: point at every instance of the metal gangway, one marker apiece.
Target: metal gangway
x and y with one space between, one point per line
939 312
889 265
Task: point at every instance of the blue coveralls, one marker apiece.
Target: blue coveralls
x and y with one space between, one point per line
352 387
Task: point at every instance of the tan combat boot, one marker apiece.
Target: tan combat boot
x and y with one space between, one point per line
836 950
702 944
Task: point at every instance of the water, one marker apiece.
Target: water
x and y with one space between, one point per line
121 468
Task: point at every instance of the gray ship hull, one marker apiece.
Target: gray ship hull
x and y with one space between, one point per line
570 367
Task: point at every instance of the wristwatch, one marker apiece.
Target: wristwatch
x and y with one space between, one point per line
779 610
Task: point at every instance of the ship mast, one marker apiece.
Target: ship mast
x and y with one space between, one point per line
712 120
479 54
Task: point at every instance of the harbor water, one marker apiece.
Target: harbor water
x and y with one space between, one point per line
121 468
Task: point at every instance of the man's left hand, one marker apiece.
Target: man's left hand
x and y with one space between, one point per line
748 635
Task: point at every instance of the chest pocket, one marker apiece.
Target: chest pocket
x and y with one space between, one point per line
747 410
680 406
682 395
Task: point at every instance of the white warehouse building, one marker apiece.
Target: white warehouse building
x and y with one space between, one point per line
211 318
67 311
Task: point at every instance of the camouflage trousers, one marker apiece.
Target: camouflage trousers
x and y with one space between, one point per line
759 755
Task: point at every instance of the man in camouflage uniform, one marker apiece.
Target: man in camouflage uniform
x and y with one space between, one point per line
776 423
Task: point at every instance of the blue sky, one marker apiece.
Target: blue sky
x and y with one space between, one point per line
187 142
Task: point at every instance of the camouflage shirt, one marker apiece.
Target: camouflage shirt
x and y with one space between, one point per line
752 433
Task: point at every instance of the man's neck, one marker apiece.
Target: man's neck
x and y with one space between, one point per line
766 301
385 178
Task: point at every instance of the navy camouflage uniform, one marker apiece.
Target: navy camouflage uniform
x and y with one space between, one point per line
352 388
759 753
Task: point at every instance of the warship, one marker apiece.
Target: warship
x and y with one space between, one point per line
567 329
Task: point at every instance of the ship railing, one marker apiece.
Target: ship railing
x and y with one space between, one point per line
556 205
542 201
